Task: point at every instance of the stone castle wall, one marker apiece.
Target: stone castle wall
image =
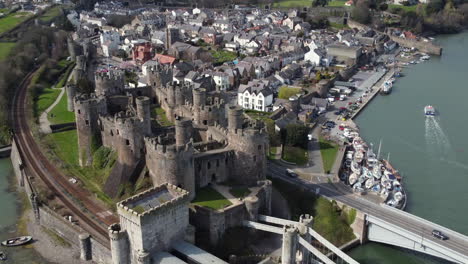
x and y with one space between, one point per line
213 167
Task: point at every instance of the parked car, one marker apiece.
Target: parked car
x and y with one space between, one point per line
291 173
439 235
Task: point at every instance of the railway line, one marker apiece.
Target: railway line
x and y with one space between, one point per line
92 217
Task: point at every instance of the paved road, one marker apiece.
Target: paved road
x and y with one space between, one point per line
342 193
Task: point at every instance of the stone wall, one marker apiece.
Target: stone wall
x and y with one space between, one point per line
426 47
46 217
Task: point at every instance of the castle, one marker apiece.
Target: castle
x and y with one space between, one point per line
210 143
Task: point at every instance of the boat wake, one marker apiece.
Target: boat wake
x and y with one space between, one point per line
437 142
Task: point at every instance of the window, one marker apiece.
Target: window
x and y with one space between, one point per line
208 165
111 133
118 132
79 111
87 122
127 142
246 99
260 102
254 158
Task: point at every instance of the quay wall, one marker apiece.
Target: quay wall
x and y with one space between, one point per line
47 217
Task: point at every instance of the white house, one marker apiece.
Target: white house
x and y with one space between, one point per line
255 95
222 80
110 41
314 56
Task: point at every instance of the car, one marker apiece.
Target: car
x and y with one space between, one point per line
310 137
291 173
439 235
341 127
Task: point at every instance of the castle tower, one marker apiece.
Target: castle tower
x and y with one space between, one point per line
159 76
172 36
235 118
183 131
71 45
143 106
87 111
71 92
151 221
80 68
199 97
110 83
250 145
171 163
120 249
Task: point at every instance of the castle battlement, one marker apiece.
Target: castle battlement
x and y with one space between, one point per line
82 99
109 76
154 201
161 148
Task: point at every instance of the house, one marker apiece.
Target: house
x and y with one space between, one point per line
390 45
110 41
408 35
142 53
164 59
320 104
222 80
255 95
288 119
185 51
314 56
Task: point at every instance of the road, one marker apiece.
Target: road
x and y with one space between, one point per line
91 215
343 194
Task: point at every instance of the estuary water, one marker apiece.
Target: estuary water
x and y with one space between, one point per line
10 210
431 153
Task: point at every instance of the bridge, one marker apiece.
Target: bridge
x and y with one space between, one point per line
384 224
300 237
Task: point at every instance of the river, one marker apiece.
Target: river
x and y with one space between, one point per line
10 208
431 153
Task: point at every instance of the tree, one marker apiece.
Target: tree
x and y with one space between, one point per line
316 3
383 6
296 135
361 12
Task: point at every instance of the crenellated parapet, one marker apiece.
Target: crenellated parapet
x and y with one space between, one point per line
109 83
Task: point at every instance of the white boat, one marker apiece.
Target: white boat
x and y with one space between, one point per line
377 172
429 110
353 178
398 196
359 156
367 173
369 183
425 57
355 167
386 87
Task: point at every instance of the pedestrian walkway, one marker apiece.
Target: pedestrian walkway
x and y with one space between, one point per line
224 190
44 123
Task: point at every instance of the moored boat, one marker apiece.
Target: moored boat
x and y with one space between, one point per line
17 241
387 87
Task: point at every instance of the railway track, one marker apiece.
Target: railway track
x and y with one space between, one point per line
97 217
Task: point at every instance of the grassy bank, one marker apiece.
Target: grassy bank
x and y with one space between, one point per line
286 92
50 14
222 56
161 117
330 221
5 49
45 99
293 3
210 198
328 149
63 148
295 155
337 3
59 114
239 192
10 21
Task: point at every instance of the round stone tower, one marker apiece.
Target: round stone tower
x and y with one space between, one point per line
183 131
85 246
143 106
119 244
199 97
252 205
235 118
171 163
71 92
87 111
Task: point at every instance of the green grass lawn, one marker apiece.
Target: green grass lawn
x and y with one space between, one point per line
60 114
328 149
295 155
45 99
221 56
64 77
12 20
50 14
336 3
161 117
338 25
272 153
64 150
292 3
209 197
5 49
286 92
239 192
406 8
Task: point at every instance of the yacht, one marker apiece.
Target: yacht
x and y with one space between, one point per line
387 87
429 110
